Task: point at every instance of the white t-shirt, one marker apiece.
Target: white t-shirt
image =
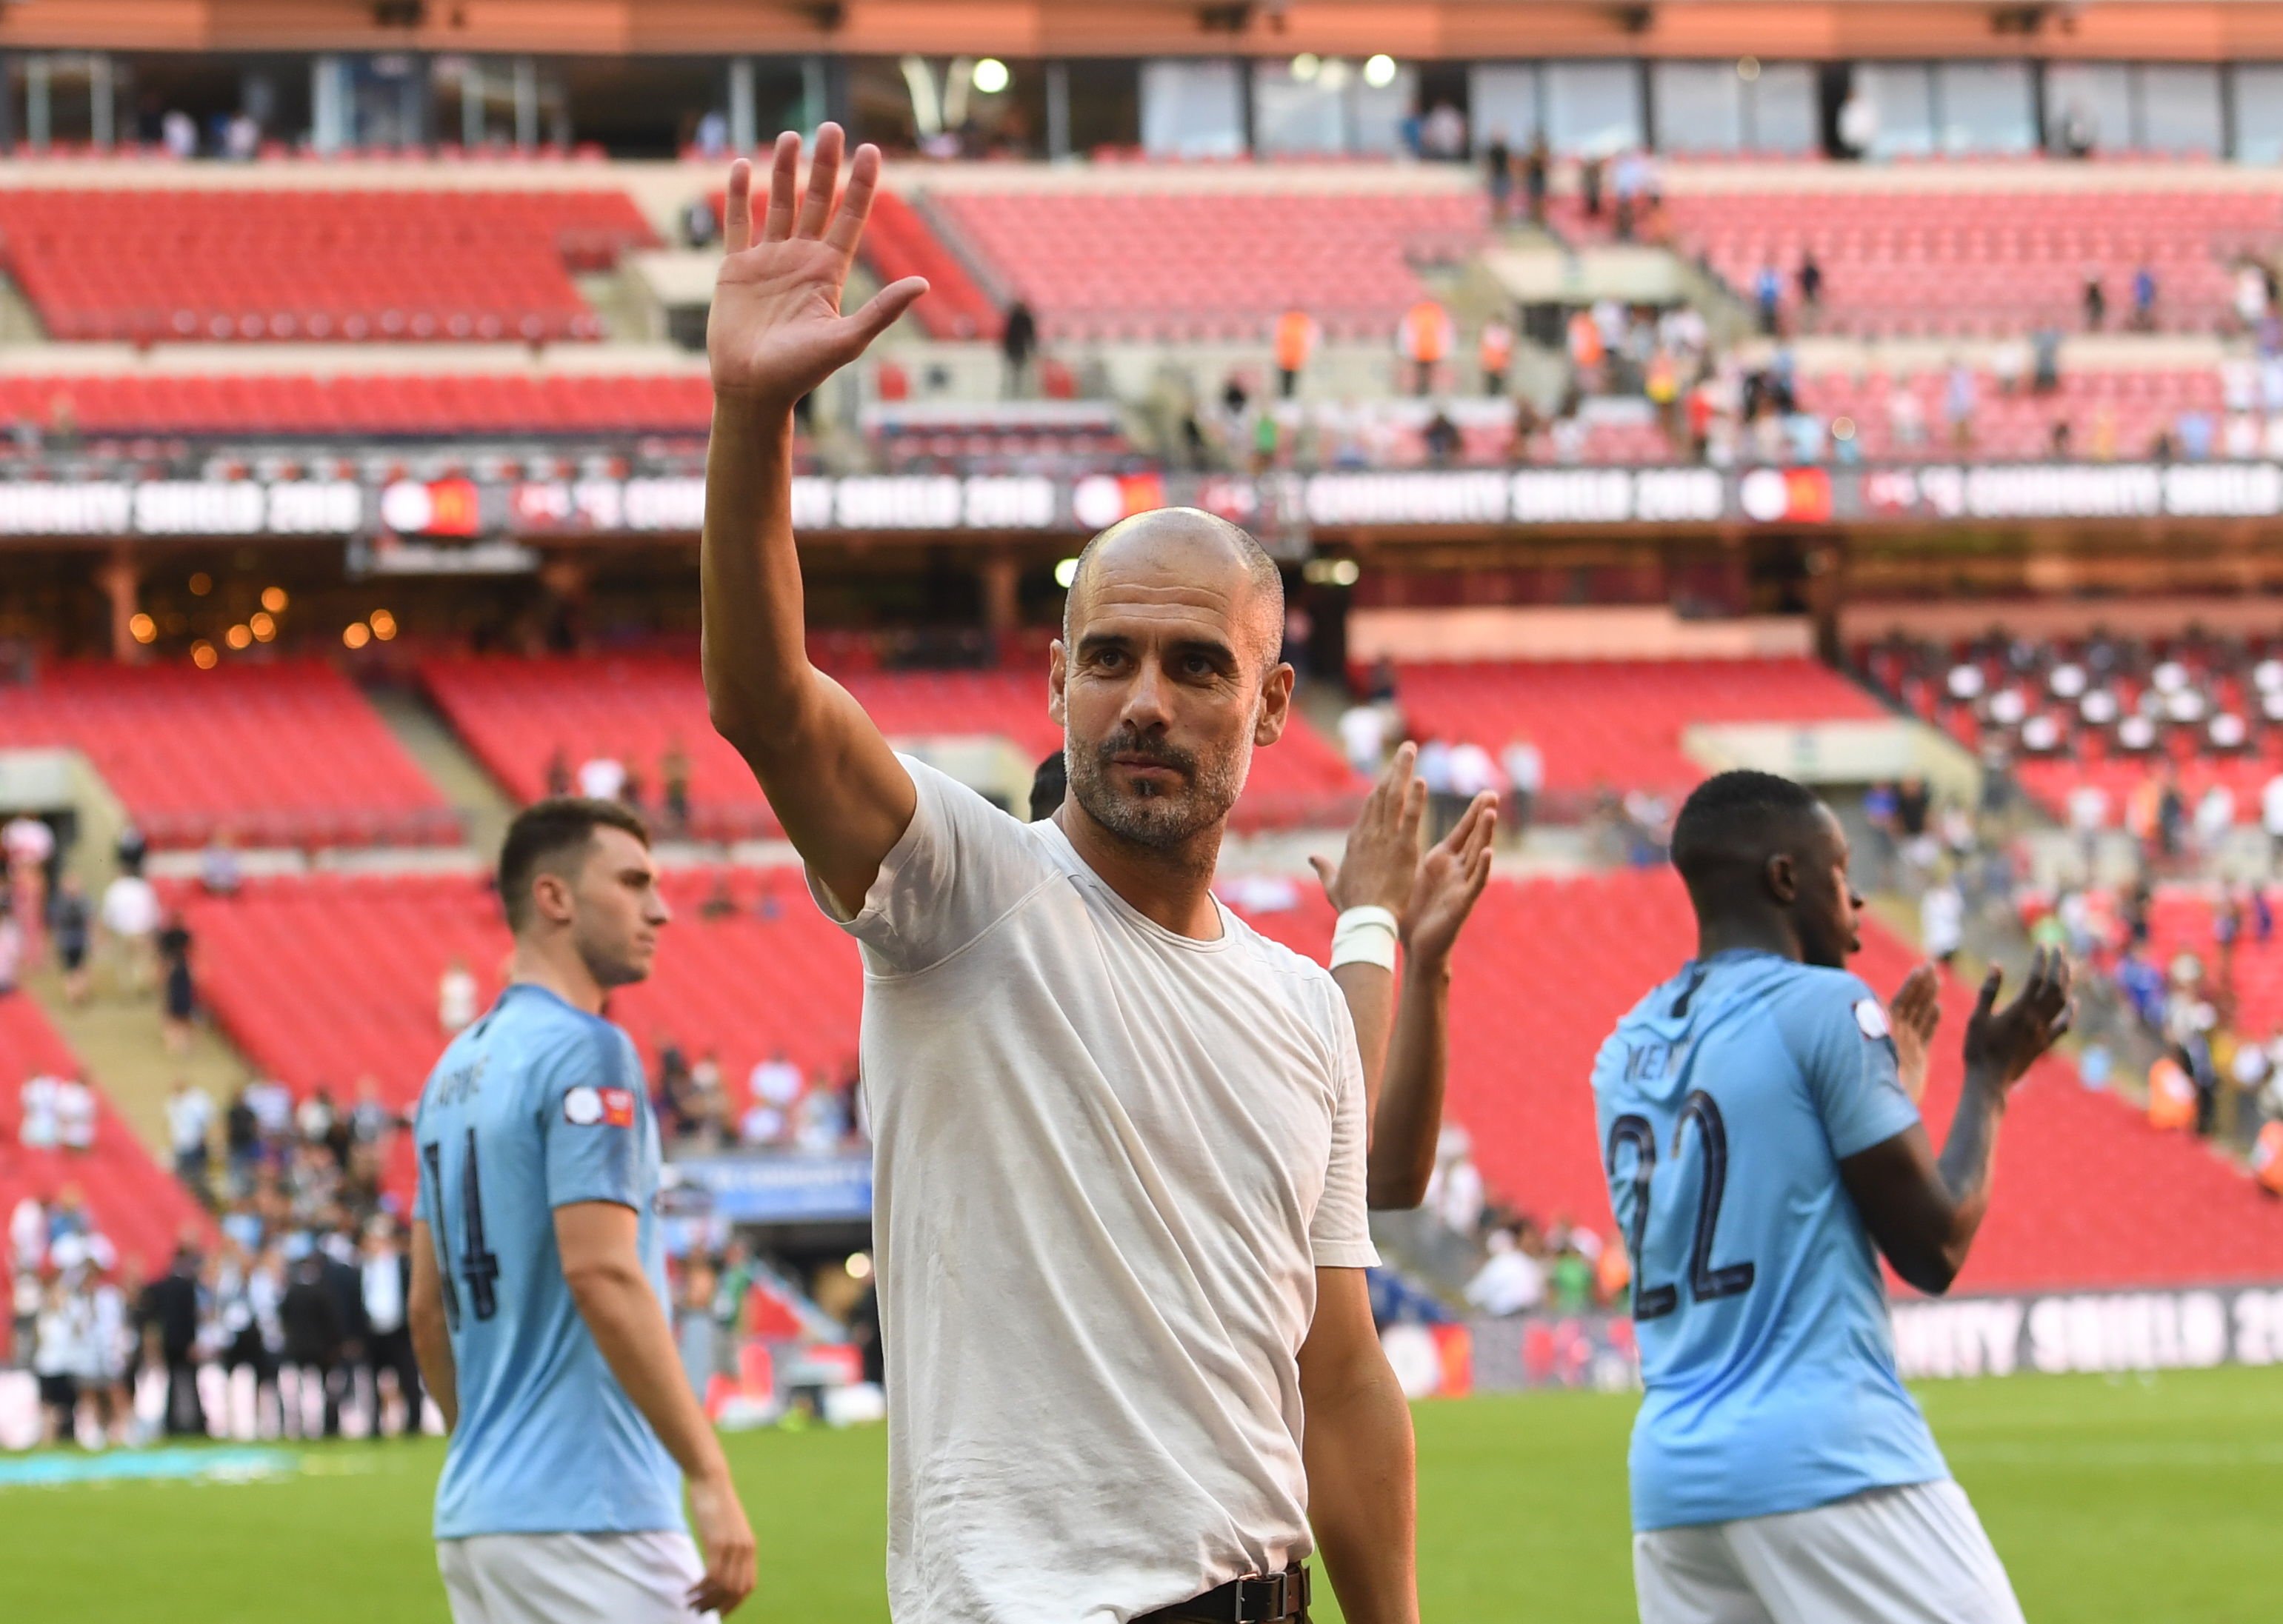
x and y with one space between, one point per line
37 1129
75 1114
602 778
455 1000
189 1114
2270 805
1941 919
28 840
777 1082
1109 1161
130 906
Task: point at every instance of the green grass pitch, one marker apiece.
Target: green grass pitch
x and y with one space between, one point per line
2113 1501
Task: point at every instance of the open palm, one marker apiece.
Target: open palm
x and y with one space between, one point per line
776 330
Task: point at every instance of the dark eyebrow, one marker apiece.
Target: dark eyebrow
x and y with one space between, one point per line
1098 642
1219 653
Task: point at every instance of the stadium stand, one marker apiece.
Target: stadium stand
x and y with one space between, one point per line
898 242
1162 265
1013 437
280 754
515 714
329 978
325 979
1616 723
353 265
2109 415
1905 259
2088 1194
2181 919
2202 712
384 403
132 1201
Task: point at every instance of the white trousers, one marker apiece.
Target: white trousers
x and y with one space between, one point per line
1913 1555
570 1578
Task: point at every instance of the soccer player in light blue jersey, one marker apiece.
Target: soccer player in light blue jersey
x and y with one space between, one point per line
538 1303
1759 1125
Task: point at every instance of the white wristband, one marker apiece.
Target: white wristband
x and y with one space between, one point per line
1364 935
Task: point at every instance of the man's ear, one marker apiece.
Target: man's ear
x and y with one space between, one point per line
1276 706
550 896
1058 673
1782 873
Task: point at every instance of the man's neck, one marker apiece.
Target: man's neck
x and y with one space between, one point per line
1763 933
557 967
1172 888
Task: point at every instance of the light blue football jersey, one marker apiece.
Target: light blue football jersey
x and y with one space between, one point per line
1726 1101
536 1106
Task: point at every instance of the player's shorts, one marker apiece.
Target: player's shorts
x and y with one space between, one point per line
570 1578
1912 1554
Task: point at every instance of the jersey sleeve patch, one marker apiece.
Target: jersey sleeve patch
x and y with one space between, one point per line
587 1106
1871 1018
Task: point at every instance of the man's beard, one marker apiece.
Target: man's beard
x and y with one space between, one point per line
1159 818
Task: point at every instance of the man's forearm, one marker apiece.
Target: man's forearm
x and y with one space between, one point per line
630 1328
1369 992
1362 1492
1408 1118
431 1350
1968 1157
755 652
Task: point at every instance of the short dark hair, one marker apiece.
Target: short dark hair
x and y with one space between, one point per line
547 831
1736 820
1048 785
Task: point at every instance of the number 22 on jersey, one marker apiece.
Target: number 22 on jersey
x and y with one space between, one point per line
1699 1114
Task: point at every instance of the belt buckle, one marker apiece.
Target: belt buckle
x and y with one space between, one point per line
1273 1600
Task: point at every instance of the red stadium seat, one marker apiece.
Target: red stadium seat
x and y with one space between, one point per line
288 754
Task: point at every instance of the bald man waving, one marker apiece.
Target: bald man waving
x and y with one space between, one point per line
1119 1177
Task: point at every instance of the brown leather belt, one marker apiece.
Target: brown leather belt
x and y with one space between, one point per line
1264 1598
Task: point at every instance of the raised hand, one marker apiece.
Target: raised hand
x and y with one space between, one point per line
2001 1044
1914 1013
1451 878
776 330
1381 855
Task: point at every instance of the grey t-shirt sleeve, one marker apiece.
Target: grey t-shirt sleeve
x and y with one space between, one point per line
1340 1233
960 866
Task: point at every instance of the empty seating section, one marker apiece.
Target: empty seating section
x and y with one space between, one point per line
288 754
1616 723
1908 261
899 242
2109 415
2204 713
375 403
516 714
1209 264
1066 437
2087 1193
351 264
135 1205
328 979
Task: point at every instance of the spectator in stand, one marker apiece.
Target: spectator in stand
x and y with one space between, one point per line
1018 343
1363 739
1425 334
1295 343
27 846
2215 817
189 1119
2088 815
71 929
219 872
2096 302
384 1284
1495 354
180 1001
1441 436
2144 298
1810 288
75 1115
1473 773
1510 1280
734 1284
1941 918
1498 177
37 1124
674 784
11 949
61 1335
130 849
370 1121
130 921
1905 416
1958 403
1591 170
241 1136
457 997
1524 765
558 772
602 778
1767 297
169 1315
1537 174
